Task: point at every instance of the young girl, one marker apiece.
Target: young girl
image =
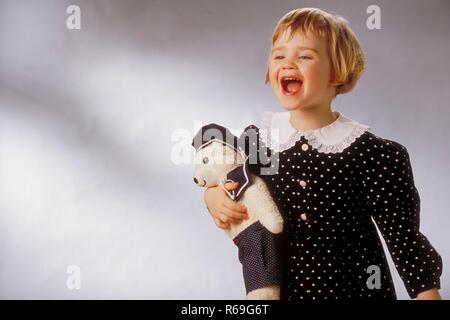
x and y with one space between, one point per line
335 178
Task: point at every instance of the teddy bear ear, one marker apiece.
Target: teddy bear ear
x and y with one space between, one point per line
214 132
249 140
258 154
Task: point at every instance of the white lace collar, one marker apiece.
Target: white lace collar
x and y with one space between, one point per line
279 135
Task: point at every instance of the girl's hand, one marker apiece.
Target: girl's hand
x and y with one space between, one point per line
222 209
431 294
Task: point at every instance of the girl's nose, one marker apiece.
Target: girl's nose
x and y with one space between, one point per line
289 65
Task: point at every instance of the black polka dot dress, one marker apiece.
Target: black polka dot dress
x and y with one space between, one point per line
333 186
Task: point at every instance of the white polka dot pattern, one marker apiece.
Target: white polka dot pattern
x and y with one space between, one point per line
328 202
259 256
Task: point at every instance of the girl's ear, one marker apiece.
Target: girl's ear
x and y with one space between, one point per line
334 83
337 87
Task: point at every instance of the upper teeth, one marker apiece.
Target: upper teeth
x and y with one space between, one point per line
295 79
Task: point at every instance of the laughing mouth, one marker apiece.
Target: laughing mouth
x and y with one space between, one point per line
291 85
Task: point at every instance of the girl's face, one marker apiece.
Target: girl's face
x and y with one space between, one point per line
299 72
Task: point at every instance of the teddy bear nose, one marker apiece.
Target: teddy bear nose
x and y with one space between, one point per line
195 180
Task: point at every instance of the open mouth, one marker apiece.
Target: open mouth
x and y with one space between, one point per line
291 85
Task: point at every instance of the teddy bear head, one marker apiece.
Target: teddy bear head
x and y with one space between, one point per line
213 161
217 154
222 157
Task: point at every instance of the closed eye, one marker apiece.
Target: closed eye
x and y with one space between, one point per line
301 57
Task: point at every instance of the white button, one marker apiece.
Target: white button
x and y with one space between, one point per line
303 216
303 183
305 147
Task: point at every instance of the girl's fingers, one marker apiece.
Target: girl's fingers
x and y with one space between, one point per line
234 206
226 219
221 224
234 214
231 185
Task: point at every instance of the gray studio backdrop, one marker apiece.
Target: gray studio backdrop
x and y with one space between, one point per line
91 181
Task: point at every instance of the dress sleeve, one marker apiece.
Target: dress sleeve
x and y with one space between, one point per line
395 205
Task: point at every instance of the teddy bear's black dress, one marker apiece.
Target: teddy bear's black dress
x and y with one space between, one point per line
331 185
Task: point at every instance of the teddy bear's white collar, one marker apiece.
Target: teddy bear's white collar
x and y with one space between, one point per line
279 135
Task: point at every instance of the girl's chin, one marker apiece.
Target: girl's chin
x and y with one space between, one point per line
291 105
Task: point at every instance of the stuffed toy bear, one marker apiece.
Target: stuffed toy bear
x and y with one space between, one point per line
221 157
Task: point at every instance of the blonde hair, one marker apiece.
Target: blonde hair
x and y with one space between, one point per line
346 55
